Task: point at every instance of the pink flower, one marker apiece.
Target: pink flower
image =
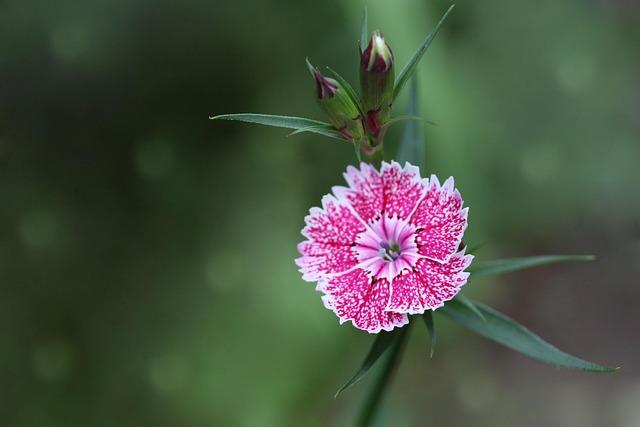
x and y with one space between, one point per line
386 246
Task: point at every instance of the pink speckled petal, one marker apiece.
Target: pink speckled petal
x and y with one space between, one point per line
403 188
355 297
440 221
320 259
365 191
429 285
332 232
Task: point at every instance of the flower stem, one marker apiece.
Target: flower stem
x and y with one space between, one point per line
374 398
374 155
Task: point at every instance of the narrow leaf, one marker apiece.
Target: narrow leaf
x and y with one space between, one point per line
475 248
311 129
398 119
382 342
356 147
513 264
310 67
410 68
381 385
470 305
364 32
349 89
428 320
412 144
507 332
326 130
287 122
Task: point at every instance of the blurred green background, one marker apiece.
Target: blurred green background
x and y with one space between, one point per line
146 253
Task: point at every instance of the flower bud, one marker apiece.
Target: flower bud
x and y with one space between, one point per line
335 101
376 83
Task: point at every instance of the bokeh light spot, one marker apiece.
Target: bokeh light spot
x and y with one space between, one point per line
478 392
168 373
154 158
39 229
224 271
52 361
69 42
540 162
575 71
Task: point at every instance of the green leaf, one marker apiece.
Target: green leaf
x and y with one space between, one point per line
311 129
381 385
364 32
470 305
382 342
507 332
356 147
310 67
412 144
398 119
287 122
475 248
513 264
428 321
410 68
349 89
326 130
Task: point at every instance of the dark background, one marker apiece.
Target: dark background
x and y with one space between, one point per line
146 253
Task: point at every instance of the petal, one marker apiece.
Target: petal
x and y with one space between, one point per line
429 285
365 192
403 188
440 221
335 223
332 232
395 191
321 259
355 297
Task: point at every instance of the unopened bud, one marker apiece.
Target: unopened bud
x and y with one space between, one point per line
335 101
376 83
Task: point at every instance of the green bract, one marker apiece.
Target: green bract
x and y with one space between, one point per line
339 105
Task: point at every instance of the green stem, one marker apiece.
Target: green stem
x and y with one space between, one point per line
375 395
374 156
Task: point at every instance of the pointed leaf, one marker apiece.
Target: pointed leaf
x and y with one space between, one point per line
475 248
382 342
356 147
470 305
428 320
287 122
513 264
410 68
326 130
398 119
310 67
412 144
311 129
349 89
385 374
507 332
364 32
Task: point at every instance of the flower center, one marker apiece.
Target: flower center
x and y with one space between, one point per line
387 247
390 252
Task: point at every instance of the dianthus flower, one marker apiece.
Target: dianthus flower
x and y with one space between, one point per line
386 246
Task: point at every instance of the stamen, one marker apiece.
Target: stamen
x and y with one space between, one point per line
389 252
